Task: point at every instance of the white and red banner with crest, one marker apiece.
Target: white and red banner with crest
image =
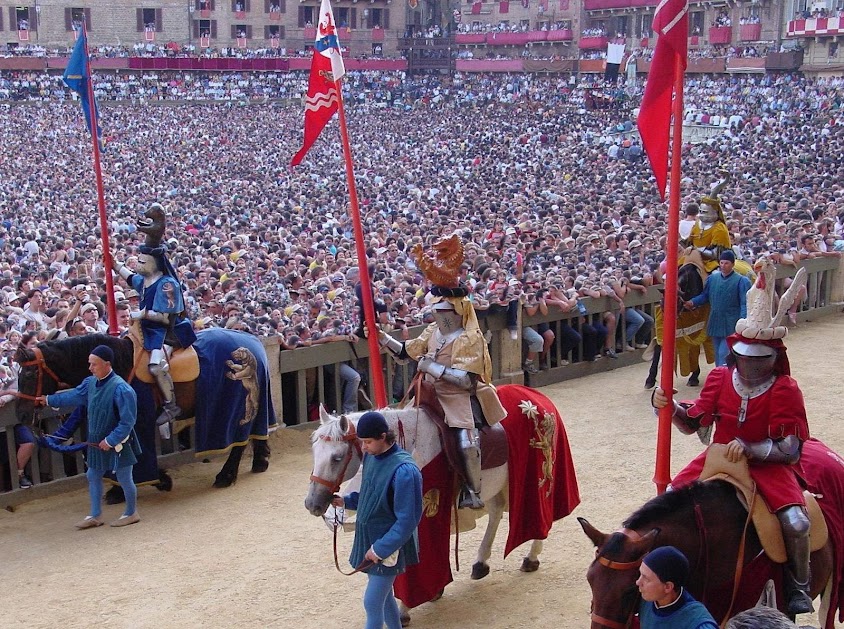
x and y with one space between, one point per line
327 68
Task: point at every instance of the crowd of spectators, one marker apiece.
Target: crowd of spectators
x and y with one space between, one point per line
540 199
555 203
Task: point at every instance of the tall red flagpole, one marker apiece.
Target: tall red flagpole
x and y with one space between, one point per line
375 367
662 471
111 309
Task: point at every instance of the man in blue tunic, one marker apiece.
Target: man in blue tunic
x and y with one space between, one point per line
726 292
112 410
665 601
163 323
389 507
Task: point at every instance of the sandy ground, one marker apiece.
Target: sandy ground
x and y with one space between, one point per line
251 556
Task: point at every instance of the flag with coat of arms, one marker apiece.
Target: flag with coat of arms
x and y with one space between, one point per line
327 68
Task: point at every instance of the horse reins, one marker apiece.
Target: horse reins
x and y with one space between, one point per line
43 368
622 566
334 486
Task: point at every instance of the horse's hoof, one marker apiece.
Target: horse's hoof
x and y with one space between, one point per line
405 619
260 465
479 571
529 565
165 483
115 496
224 481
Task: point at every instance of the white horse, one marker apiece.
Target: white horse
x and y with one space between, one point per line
336 460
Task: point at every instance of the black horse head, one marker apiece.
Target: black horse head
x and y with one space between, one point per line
65 363
689 282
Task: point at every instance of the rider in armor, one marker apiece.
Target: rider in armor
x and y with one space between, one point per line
161 315
710 237
758 412
454 357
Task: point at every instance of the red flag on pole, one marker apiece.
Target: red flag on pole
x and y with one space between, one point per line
671 24
323 99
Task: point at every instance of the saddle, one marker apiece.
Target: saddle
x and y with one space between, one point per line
768 528
184 362
494 449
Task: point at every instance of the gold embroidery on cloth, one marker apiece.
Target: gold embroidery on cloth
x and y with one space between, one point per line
431 503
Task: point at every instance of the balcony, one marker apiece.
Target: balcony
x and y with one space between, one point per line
592 43
409 43
597 5
470 38
814 27
720 35
377 34
565 34
750 32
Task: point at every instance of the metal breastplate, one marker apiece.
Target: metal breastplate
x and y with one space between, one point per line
747 393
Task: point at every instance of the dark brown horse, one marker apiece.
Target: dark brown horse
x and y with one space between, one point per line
705 521
219 428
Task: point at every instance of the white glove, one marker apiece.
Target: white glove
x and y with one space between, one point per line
138 314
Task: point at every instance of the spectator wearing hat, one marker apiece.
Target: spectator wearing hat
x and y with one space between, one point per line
389 508
665 601
726 293
112 411
91 317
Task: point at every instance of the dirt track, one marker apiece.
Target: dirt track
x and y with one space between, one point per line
251 556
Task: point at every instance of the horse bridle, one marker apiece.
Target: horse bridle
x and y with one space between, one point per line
43 368
352 437
618 565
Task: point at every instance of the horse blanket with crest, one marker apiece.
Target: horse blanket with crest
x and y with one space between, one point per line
233 403
543 485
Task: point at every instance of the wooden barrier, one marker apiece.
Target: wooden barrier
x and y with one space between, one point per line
302 379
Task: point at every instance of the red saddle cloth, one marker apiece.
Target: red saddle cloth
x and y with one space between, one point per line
543 485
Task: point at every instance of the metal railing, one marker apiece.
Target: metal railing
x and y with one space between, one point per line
304 378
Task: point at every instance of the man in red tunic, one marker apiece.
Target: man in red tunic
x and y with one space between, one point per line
758 412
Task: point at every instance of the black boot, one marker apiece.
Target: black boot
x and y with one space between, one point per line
797 595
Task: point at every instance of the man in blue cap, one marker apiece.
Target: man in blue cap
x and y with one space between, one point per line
726 293
389 507
665 601
112 411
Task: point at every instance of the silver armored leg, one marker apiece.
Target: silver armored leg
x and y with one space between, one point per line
795 530
470 447
160 370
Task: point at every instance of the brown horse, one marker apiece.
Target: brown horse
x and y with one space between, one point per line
706 522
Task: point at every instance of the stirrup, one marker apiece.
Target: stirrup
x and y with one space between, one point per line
469 499
169 412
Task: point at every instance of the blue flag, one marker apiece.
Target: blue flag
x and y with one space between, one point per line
76 77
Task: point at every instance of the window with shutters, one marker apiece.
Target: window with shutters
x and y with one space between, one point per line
275 6
149 20
24 18
241 31
1 20
204 5
205 28
74 18
343 17
274 31
377 18
307 17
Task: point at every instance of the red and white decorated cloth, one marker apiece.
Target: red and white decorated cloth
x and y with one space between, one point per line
424 581
327 68
543 485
